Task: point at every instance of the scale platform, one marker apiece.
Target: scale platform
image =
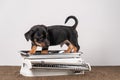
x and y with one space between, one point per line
53 64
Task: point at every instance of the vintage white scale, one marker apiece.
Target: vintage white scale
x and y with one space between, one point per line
53 64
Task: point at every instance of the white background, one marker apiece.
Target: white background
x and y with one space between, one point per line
99 27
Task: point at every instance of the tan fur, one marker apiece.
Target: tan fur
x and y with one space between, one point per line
71 47
75 49
33 50
44 52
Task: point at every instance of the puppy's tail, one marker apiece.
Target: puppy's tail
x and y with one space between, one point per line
75 19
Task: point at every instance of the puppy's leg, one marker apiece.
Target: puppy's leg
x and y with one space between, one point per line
44 51
70 46
76 48
33 49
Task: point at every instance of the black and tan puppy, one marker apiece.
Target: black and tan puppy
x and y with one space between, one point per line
43 36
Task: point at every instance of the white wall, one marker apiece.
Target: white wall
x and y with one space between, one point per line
99 27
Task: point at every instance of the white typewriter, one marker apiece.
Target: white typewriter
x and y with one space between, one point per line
52 64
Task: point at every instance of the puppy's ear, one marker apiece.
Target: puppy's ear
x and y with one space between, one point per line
44 27
46 30
28 35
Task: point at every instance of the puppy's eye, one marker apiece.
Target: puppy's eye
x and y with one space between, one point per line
41 36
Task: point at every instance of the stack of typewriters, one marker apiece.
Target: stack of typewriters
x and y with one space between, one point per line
53 64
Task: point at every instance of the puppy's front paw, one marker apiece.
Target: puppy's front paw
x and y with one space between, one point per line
44 52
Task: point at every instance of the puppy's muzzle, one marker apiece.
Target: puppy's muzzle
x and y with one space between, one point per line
45 43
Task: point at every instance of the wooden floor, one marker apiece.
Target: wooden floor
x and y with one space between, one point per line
97 73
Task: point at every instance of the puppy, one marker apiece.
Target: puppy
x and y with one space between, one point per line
45 36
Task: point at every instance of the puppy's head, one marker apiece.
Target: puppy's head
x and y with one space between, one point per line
38 35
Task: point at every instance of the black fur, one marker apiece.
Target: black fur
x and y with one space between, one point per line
54 35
